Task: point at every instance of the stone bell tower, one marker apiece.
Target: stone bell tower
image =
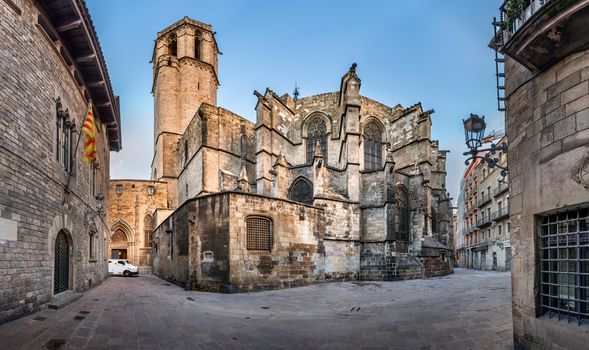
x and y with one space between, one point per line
184 60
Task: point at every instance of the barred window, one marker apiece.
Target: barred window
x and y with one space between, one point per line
564 270
258 233
316 131
372 146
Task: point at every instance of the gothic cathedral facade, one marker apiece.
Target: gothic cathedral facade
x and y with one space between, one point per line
329 187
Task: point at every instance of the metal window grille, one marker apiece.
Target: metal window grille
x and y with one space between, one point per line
258 233
564 266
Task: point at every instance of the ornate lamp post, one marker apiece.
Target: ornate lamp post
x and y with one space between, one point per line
474 131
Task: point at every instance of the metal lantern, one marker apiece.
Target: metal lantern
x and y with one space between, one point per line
474 130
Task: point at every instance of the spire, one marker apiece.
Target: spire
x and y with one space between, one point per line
317 150
243 184
296 92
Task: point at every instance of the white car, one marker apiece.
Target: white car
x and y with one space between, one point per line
122 267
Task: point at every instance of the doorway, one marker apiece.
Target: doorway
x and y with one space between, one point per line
118 253
61 267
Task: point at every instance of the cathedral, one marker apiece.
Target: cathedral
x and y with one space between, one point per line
329 187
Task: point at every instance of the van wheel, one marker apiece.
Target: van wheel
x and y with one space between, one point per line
126 273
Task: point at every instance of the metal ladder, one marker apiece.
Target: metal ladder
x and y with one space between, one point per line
499 64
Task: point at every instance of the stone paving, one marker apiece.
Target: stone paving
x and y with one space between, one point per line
467 310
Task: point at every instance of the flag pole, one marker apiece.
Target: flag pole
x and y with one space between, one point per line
77 145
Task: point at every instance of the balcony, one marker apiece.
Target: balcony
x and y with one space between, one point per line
501 213
484 221
539 33
484 200
502 188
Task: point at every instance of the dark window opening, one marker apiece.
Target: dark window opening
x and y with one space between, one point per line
402 201
301 191
92 246
197 48
372 146
564 267
63 149
172 45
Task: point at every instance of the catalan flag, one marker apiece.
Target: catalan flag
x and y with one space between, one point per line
89 129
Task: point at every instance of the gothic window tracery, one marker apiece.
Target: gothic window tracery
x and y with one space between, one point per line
402 201
147 229
64 126
372 146
301 191
316 132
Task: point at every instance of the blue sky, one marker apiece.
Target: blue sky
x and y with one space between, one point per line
429 51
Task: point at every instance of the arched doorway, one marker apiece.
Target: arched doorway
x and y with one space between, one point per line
118 245
61 268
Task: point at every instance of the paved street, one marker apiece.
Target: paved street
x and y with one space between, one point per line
467 310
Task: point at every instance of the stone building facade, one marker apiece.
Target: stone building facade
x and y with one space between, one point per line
485 228
547 123
53 232
328 187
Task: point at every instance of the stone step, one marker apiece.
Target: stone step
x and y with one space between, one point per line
63 299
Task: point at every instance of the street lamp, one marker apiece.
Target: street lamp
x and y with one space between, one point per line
474 131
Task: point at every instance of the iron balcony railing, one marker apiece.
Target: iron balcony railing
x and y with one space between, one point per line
503 187
500 213
515 13
484 200
484 221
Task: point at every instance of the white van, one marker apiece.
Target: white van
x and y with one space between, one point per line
122 267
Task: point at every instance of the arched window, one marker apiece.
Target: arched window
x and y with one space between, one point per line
372 146
172 45
402 201
63 150
301 190
197 48
316 131
147 229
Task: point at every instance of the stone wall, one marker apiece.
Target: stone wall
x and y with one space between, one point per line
213 227
34 206
130 203
548 128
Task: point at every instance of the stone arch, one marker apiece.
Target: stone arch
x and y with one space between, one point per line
61 223
301 190
326 118
121 241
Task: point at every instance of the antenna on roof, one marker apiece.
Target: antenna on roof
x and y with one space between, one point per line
296 92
